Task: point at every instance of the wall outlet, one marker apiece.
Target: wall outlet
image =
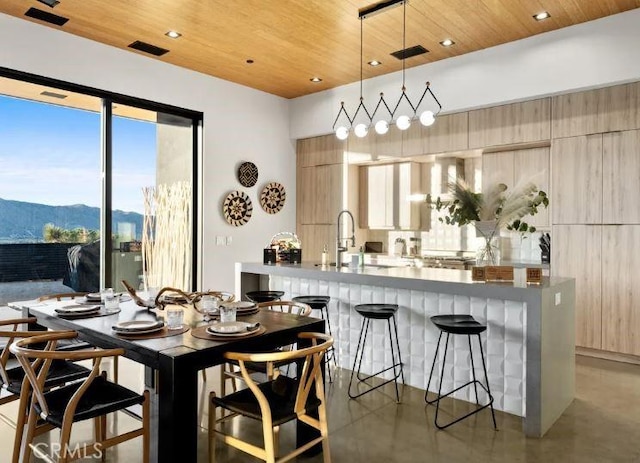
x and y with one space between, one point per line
558 298
220 240
137 259
229 240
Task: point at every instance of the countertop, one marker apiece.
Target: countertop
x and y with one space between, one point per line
413 278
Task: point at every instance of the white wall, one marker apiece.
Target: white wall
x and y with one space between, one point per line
240 124
594 54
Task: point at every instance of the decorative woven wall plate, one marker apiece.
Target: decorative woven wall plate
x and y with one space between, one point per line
237 208
272 197
247 174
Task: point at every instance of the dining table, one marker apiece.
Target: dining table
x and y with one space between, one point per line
172 363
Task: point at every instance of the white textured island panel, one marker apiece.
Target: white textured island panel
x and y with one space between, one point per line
529 343
503 343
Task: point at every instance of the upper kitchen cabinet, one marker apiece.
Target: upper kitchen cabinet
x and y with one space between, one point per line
576 180
513 167
320 151
621 177
448 133
320 191
384 196
525 122
596 111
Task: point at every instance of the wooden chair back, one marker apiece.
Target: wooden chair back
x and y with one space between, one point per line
11 335
36 363
310 375
293 307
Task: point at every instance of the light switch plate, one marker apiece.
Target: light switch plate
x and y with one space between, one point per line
229 240
220 241
558 298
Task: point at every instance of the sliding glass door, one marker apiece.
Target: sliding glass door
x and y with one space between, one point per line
95 188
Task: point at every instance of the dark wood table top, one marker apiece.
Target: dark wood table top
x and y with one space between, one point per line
201 352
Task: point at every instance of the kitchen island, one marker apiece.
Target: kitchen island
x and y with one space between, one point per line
529 343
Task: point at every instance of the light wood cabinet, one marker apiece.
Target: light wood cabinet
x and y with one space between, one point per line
320 197
513 167
596 111
620 289
621 177
576 180
576 252
320 151
529 121
314 238
448 133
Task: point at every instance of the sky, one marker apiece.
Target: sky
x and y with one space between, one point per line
51 155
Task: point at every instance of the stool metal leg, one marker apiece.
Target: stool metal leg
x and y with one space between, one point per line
331 353
433 365
395 328
486 378
475 382
357 362
473 371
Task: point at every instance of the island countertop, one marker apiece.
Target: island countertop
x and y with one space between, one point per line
529 338
438 280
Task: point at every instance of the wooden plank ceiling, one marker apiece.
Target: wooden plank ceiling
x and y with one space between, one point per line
291 41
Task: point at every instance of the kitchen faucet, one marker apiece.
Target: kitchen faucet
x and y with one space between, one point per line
339 248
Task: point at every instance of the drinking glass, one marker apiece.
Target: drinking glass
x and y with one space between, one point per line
175 317
227 313
104 293
209 304
111 302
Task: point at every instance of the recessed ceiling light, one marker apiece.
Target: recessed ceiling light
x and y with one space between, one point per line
541 16
447 42
375 62
250 61
316 79
173 34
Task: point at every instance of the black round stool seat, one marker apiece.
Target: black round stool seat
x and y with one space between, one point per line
264 296
458 324
377 311
315 302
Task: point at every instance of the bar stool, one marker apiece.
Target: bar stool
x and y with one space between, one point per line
371 312
465 325
264 296
321 303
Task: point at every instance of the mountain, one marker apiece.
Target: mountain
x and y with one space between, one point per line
21 221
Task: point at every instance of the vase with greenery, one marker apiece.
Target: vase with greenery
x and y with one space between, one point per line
499 208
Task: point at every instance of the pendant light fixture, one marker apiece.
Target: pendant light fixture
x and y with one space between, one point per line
383 117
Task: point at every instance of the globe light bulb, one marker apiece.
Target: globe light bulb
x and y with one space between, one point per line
427 118
403 122
342 132
361 130
382 127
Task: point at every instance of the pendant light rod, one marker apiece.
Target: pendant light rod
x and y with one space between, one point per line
403 121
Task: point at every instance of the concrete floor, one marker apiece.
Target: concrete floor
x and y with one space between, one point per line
602 425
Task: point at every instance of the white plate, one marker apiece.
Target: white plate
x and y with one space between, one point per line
137 325
77 309
240 305
229 328
137 332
